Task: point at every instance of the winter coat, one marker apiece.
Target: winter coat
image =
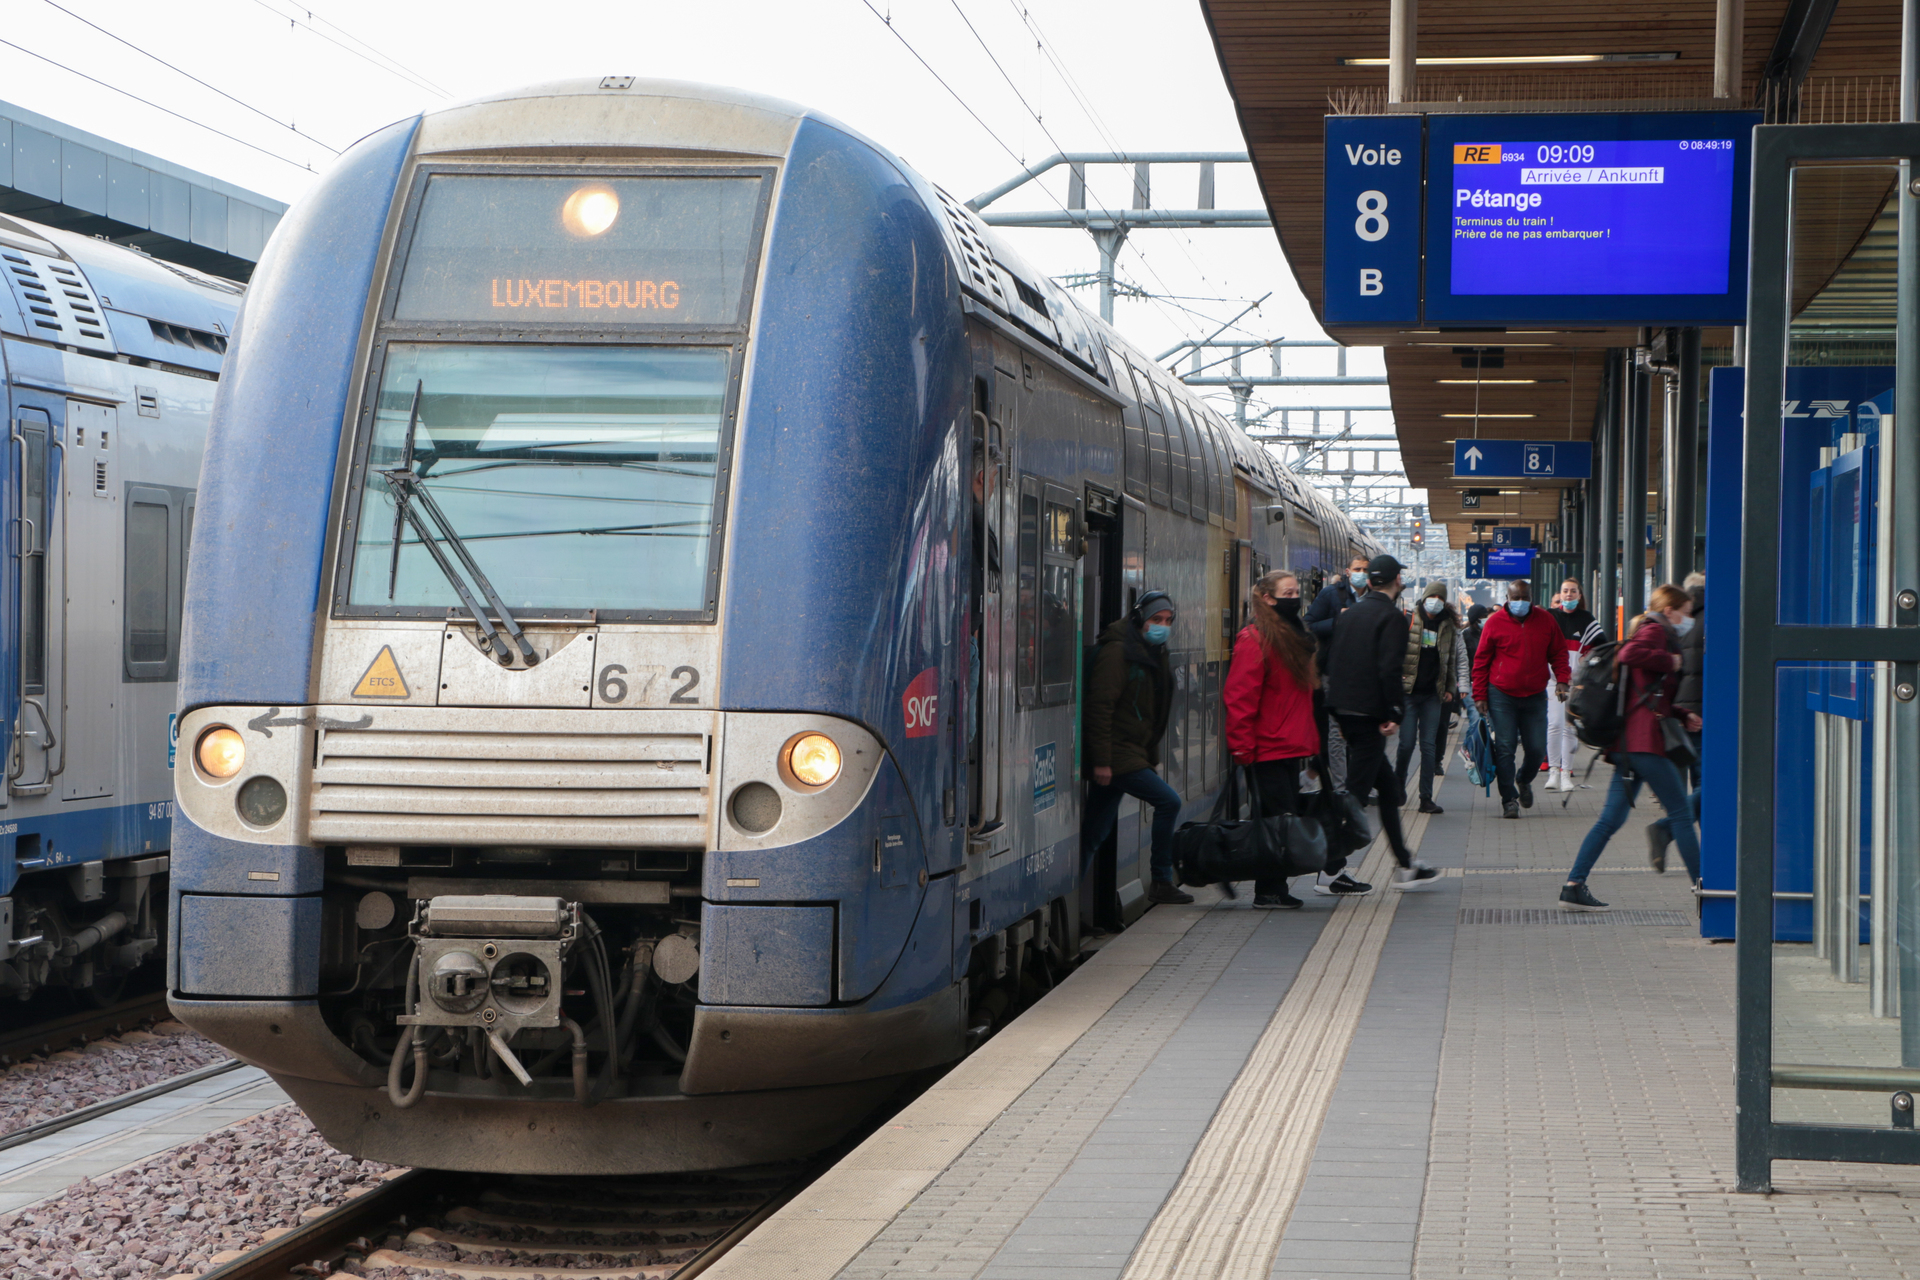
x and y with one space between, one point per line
1269 713
1129 695
1366 658
1518 654
1573 626
1449 644
1692 693
1334 599
1648 655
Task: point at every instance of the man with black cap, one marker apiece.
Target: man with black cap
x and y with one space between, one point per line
1129 696
1366 692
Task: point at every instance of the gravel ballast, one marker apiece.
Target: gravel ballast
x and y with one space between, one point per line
46 1087
171 1214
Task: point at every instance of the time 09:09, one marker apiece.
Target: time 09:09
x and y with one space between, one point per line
1571 153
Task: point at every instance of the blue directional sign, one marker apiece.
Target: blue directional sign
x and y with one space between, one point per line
1371 224
1512 535
1477 560
1522 460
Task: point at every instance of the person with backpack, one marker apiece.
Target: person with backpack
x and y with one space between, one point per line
1646 668
1521 649
1129 697
1435 672
1366 693
1269 700
1688 700
1580 629
1339 595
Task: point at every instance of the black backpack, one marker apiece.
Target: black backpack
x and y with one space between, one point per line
1597 706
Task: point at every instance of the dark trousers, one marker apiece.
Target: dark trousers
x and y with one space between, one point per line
1103 807
1367 770
1518 724
1425 714
1279 785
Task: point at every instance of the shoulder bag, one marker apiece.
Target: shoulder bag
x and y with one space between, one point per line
1227 848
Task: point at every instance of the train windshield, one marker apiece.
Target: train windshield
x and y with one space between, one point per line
578 477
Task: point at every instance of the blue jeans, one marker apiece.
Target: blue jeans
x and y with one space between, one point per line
1422 728
1103 807
1673 828
1518 723
1630 770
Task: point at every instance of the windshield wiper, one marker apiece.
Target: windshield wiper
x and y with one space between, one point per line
410 489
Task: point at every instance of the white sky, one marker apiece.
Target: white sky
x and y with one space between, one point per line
1145 74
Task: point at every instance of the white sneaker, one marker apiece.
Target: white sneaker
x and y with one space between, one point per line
1417 876
1562 781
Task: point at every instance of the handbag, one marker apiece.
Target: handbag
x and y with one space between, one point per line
1476 749
1341 817
1226 848
1678 743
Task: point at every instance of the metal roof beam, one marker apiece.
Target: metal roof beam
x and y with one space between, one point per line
1082 158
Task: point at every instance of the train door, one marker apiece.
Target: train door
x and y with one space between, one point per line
30 764
86 626
986 709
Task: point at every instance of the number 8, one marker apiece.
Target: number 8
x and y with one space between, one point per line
1373 209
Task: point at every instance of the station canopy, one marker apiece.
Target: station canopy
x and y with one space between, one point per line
1805 61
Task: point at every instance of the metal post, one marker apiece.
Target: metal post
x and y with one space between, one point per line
1683 498
1109 242
1729 26
1633 481
1608 545
1402 40
1669 477
1904 817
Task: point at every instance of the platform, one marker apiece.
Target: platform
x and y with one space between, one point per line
1460 1082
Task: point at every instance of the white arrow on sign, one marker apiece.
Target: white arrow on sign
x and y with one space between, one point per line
1473 456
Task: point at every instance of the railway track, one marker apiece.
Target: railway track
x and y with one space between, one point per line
489 1227
53 1034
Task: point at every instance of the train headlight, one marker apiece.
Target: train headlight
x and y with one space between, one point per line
814 759
590 210
221 752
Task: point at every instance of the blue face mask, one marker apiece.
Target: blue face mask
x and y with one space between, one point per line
1358 579
1683 626
1570 604
1518 608
1157 634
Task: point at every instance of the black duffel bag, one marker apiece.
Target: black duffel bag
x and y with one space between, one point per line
1226 847
1343 819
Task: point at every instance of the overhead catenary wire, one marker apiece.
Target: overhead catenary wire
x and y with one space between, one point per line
198 124
148 53
392 66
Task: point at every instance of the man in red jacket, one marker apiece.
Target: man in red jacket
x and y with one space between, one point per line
1520 648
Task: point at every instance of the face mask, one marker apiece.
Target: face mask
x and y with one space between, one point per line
1289 607
1519 608
1683 626
1358 579
1157 634
1432 605
1570 605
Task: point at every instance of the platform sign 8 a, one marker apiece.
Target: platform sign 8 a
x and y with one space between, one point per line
1372 220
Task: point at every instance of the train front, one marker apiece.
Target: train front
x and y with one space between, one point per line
568 735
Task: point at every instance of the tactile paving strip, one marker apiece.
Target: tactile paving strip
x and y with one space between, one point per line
1550 915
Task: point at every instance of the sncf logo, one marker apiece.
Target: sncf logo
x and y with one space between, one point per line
920 704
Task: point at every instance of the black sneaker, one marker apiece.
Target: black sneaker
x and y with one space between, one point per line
1428 806
1526 794
1658 838
1510 809
1167 895
1341 886
1282 901
1417 876
1577 897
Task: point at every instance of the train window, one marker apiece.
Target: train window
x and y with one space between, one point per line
1059 629
1180 458
33 426
577 477
154 567
1156 437
1133 434
1230 507
1027 637
1202 475
545 250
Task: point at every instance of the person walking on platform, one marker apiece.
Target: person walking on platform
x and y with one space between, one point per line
1688 699
1269 697
1520 650
1577 625
1366 694
1652 660
1435 673
1334 599
1129 696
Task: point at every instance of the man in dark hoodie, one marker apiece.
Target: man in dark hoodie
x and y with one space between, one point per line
1366 693
1129 696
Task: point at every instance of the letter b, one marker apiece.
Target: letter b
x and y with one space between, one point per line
1370 284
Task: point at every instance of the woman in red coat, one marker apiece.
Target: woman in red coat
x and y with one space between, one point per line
1269 696
1651 659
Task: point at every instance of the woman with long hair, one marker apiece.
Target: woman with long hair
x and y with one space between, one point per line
1434 675
1651 659
1269 697
1581 632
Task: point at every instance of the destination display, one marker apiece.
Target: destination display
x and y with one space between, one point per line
1636 219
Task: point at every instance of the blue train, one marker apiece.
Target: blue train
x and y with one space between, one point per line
109 359
650 541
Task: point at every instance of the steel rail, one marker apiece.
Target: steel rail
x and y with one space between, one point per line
58 1033
107 1106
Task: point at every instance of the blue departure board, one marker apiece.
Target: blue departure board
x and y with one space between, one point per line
1626 219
